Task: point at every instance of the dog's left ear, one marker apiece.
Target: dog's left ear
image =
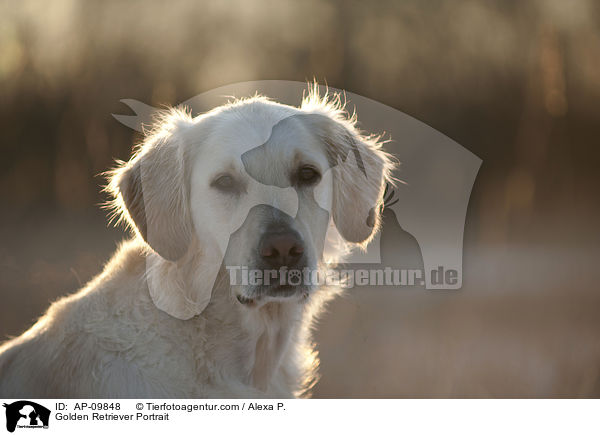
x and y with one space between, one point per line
360 171
154 195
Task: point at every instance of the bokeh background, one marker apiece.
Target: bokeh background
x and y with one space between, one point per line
515 82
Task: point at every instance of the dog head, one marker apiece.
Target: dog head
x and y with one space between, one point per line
255 186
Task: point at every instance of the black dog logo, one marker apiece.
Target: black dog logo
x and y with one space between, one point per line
30 411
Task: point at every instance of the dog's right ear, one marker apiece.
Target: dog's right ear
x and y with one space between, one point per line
151 194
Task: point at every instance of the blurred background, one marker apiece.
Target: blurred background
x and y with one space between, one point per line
515 82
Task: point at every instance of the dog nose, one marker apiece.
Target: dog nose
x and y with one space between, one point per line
281 249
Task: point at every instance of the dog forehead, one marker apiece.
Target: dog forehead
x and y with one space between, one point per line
275 143
245 127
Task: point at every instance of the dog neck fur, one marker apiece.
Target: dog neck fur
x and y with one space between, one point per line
270 342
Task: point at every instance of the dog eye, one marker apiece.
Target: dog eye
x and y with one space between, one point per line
308 175
224 182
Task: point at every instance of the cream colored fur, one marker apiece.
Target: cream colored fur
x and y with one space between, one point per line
149 325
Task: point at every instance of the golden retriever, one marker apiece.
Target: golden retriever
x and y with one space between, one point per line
251 185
